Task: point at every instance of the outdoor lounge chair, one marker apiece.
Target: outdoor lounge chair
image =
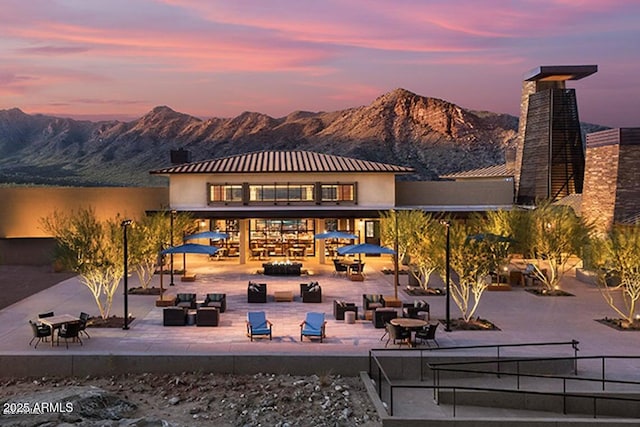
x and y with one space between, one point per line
313 326
257 293
208 316
311 292
428 333
372 301
216 300
340 307
69 331
185 301
174 316
257 324
383 315
39 332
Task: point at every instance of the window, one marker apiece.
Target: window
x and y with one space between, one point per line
283 193
338 192
227 193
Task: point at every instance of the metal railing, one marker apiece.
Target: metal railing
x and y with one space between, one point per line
498 347
375 367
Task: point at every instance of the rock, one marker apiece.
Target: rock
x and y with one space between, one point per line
174 400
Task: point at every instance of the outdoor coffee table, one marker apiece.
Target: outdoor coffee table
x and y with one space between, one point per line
283 296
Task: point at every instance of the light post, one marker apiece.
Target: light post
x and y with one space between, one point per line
173 213
396 279
447 279
125 224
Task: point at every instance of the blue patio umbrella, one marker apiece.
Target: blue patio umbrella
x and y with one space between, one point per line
335 236
190 248
213 235
365 248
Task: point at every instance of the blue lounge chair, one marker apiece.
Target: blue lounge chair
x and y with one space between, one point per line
257 324
313 326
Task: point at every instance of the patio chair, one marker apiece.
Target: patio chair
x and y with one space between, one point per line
185 300
84 317
313 326
69 330
42 316
257 293
257 324
339 268
312 293
39 332
428 333
216 300
397 334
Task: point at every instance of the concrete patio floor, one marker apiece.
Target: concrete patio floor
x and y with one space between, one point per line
521 316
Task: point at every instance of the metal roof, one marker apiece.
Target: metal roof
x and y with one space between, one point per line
497 171
283 161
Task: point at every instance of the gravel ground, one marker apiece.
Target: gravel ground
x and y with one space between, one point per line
194 399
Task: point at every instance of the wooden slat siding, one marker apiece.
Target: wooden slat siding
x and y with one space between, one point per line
496 171
284 161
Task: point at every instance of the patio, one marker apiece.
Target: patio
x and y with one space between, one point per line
522 317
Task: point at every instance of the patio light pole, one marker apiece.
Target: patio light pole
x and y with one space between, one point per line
447 224
173 213
396 279
125 224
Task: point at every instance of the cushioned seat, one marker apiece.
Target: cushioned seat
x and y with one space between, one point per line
207 316
258 324
341 307
174 316
257 292
313 326
311 292
372 301
185 300
218 301
383 315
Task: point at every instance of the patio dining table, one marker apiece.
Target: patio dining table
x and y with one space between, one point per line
55 322
410 324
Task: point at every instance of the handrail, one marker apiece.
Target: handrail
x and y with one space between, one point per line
383 375
437 367
564 395
573 343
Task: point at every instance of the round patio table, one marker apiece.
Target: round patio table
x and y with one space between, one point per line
409 323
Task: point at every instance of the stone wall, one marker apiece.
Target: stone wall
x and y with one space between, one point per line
600 182
611 187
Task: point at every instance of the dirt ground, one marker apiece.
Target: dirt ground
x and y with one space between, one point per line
20 281
193 399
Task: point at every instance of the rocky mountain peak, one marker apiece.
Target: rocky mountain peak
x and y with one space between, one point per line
400 127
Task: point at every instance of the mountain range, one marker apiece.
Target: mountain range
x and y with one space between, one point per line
431 135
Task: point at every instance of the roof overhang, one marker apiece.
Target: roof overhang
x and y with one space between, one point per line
560 72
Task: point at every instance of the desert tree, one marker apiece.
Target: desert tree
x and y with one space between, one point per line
557 235
474 255
419 241
617 260
91 248
149 235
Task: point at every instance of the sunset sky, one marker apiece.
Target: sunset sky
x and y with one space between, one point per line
120 58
